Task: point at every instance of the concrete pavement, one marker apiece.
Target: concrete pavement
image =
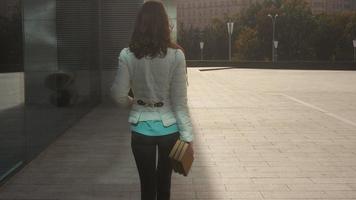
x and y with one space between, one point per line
259 134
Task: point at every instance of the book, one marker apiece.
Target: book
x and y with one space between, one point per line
184 148
176 156
172 153
187 159
182 157
174 149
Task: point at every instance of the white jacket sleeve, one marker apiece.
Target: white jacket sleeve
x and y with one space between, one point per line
121 85
178 96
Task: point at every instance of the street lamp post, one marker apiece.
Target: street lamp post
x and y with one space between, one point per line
354 43
275 43
230 29
201 50
274 19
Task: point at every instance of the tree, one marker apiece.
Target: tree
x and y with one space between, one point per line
334 35
325 37
296 26
301 35
216 40
293 26
247 45
188 39
346 24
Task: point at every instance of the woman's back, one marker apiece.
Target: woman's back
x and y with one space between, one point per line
151 77
155 69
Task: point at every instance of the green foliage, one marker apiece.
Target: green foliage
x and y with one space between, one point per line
301 35
334 35
295 30
188 39
294 25
214 38
247 45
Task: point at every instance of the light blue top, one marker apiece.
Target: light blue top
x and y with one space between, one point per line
153 128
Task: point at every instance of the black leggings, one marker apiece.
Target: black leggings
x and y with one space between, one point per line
155 182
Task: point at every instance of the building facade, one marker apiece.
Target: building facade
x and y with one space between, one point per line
331 6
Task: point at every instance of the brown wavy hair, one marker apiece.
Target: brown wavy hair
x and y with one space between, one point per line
151 36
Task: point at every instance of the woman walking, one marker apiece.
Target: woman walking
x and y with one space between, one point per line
155 69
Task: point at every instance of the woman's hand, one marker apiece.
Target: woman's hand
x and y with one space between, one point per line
191 144
131 101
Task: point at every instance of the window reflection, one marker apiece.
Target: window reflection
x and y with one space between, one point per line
49 74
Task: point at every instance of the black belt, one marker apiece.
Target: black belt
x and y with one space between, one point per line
158 104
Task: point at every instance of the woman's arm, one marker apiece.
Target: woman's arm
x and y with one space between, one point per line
178 96
121 85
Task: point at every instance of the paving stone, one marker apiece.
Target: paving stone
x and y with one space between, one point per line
259 134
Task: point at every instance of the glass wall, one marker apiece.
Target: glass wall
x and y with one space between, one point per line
62 71
50 75
12 135
54 56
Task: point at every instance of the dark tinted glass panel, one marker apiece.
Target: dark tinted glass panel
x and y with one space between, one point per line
61 66
12 137
50 68
10 36
49 73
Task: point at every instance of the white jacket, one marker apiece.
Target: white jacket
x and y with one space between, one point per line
154 80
